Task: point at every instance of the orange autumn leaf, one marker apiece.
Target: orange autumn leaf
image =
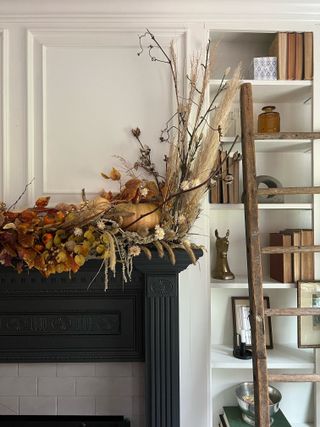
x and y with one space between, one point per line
114 174
60 216
107 195
42 202
49 219
133 183
130 191
39 247
28 255
2 219
49 269
27 215
25 227
39 263
26 240
47 237
11 216
73 265
152 189
9 250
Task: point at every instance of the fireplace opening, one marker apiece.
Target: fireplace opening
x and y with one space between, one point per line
63 421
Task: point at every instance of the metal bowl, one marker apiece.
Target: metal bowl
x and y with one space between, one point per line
247 409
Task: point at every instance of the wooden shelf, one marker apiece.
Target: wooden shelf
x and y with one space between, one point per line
272 145
241 282
281 357
262 206
265 91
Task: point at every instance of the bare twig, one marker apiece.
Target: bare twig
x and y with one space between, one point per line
21 195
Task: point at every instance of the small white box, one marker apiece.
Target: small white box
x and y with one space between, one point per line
265 68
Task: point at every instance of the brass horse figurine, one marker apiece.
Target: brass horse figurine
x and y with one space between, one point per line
222 270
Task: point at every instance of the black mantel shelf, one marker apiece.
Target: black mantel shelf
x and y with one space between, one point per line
58 319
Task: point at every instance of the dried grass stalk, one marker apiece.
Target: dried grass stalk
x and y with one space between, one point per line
171 254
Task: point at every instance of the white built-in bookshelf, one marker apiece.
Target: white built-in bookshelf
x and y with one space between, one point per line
280 357
292 163
276 90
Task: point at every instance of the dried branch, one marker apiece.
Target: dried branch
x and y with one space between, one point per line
21 195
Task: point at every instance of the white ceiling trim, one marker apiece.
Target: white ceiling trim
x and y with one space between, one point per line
156 11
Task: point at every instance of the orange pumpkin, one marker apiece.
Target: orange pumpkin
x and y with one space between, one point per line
137 210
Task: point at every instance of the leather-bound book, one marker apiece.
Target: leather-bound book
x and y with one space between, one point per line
281 264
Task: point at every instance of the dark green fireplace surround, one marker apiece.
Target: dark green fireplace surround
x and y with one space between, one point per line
59 319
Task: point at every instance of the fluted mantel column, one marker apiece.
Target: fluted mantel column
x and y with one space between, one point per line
162 392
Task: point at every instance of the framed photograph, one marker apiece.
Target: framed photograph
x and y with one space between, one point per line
309 326
241 321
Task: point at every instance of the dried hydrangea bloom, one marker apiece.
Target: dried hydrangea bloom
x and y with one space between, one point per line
144 192
77 231
101 225
159 232
134 250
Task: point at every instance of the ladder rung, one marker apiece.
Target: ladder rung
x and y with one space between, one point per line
296 311
289 249
296 378
288 190
288 135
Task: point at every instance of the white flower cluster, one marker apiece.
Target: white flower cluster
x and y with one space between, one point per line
134 250
158 232
77 232
101 225
144 192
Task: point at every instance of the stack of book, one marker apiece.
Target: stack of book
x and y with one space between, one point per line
226 189
232 417
295 55
291 267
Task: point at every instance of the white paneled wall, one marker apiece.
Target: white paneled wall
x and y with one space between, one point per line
73 389
71 88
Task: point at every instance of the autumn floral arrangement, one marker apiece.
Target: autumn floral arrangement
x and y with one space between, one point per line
150 209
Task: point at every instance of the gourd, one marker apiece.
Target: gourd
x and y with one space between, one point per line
135 211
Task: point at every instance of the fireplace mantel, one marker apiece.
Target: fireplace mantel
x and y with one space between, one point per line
59 319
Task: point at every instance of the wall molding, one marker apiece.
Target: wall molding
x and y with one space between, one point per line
5 152
38 43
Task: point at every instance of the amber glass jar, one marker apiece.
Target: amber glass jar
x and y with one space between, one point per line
269 120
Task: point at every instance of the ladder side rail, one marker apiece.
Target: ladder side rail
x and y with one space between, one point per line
255 278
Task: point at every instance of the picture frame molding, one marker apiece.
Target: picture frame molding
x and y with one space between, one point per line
267 320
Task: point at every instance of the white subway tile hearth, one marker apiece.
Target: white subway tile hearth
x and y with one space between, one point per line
38 405
37 370
112 386
114 369
54 386
18 386
114 405
75 370
76 405
73 389
8 369
9 405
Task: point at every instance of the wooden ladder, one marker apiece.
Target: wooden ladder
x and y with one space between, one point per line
254 252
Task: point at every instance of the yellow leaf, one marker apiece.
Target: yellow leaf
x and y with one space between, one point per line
115 175
42 202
